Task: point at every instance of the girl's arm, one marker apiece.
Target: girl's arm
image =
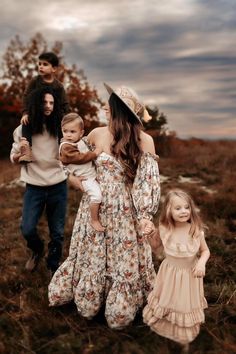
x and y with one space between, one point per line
200 268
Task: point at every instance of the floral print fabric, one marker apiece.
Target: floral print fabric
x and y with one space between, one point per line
116 266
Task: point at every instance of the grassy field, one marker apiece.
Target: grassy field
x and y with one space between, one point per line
28 325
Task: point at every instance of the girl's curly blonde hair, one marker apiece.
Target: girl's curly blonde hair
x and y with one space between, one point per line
167 220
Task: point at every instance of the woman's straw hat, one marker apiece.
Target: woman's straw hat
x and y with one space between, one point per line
129 98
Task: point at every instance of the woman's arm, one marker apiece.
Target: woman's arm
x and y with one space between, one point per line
147 143
93 136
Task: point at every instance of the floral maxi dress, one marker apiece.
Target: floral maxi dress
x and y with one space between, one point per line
116 266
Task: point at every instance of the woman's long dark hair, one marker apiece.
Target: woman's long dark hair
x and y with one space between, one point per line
36 112
125 128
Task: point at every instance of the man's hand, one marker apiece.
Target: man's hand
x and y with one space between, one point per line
25 119
76 182
23 143
16 157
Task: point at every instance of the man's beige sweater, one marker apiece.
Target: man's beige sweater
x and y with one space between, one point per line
46 170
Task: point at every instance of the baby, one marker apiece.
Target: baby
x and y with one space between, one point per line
74 153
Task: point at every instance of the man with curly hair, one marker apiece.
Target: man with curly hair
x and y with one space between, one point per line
45 178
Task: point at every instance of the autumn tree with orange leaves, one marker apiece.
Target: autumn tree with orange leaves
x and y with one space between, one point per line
19 65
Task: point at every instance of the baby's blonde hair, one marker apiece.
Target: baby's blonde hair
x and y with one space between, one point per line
71 117
167 220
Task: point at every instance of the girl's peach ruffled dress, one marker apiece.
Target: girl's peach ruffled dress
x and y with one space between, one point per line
176 304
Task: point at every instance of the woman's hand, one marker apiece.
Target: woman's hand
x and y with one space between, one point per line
76 182
98 151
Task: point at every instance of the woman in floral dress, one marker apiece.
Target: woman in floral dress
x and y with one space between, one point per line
114 267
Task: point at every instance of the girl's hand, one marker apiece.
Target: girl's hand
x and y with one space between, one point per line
150 233
199 270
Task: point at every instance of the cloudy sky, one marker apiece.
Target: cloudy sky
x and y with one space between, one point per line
177 54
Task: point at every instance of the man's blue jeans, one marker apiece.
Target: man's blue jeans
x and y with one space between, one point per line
53 199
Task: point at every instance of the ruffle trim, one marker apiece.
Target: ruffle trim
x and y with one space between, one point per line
179 249
123 300
127 289
149 154
60 289
178 334
153 312
88 294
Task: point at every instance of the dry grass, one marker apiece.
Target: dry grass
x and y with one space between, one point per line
28 325
8 171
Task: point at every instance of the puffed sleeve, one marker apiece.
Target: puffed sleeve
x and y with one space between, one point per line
146 187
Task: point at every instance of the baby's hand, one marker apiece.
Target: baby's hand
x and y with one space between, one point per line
199 270
25 119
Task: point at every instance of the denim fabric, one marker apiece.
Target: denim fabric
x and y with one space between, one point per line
53 200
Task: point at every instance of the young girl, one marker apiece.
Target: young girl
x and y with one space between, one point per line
175 307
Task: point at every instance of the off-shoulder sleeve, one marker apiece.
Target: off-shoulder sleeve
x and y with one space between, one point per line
146 187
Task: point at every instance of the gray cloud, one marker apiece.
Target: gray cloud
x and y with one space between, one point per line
178 54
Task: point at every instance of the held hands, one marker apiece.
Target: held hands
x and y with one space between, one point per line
25 119
146 226
199 270
150 232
